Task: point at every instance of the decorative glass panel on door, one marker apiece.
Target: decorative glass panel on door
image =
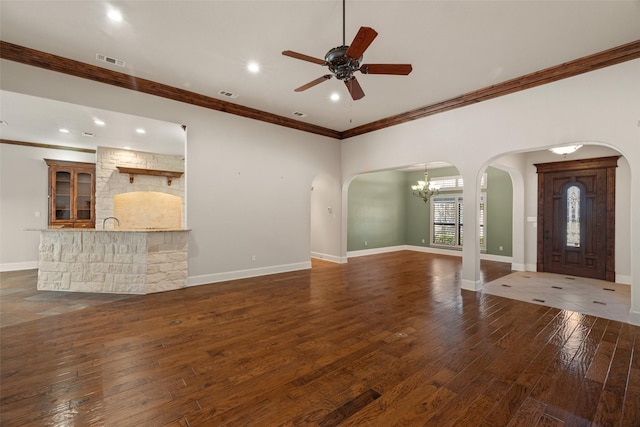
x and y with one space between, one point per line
573 216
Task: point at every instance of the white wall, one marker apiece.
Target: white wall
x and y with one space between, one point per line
325 218
248 182
601 106
24 203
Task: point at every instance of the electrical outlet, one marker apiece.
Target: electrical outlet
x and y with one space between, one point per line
500 248
365 243
422 240
253 258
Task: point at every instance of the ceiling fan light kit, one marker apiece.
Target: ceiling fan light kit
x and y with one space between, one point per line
345 60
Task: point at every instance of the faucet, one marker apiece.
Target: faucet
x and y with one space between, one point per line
110 217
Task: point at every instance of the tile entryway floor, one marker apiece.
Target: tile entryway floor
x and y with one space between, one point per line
589 296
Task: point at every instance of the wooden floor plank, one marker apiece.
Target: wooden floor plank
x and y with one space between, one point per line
388 339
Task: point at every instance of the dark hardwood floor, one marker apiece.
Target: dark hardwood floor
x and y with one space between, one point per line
383 340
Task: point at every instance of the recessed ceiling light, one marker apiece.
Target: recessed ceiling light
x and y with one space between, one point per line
140 130
253 67
98 122
127 148
335 97
115 15
63 130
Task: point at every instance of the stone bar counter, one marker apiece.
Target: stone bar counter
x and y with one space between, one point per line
120 261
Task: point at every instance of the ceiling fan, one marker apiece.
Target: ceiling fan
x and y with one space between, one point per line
345 60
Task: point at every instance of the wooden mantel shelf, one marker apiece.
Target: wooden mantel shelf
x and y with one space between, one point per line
153 172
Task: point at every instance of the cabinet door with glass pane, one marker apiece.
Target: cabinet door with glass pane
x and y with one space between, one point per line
71 194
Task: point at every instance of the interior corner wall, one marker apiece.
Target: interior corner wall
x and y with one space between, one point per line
248 182
418 216
499 215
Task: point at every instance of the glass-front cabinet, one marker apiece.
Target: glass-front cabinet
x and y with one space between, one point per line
71 194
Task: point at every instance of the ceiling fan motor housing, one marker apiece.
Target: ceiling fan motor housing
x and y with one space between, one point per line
341 65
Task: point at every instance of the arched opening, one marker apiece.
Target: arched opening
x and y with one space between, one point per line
565 291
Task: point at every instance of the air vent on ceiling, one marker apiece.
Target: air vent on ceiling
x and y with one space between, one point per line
228 94
299 114
109 60
88 134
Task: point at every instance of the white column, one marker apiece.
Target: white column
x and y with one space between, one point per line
471 246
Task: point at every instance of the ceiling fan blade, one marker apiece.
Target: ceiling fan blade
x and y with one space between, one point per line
302 56
354 88
361 42
313 83
396 69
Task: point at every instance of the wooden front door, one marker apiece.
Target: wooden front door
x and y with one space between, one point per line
576 217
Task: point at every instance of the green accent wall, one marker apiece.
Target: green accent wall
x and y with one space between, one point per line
376 210
382 211
499 212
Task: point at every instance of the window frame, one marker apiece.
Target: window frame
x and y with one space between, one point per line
458 225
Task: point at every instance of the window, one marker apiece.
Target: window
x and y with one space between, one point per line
454 183
447 221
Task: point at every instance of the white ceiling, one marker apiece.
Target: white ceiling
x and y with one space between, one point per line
39 120
204 46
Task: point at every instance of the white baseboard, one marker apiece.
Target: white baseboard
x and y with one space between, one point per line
426 249
16 266
531 267
497 258
634 317
623 279
244 274
375 251
430 250
470 285
518 267
327 257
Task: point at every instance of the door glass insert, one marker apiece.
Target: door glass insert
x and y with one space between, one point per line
573 216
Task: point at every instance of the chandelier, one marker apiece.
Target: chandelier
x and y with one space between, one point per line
425 189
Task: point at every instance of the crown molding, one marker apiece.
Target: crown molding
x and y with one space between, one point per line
616 55
48 61
48 146
28 56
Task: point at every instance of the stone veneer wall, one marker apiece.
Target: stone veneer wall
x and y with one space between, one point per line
127 262
110 182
